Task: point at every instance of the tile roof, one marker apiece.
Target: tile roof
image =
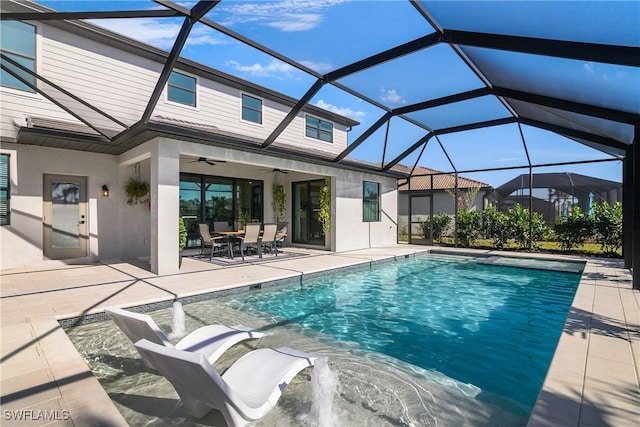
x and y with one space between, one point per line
441 180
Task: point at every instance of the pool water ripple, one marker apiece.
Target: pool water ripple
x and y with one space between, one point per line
491 326
435 341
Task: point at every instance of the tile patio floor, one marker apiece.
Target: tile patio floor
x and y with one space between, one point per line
593 379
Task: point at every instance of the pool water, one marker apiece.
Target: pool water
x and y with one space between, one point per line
494 327
430 341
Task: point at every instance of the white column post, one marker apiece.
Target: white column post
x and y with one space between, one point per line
165 207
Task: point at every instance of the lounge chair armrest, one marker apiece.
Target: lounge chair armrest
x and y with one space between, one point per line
252 330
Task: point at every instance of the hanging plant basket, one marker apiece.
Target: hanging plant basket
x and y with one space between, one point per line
137 191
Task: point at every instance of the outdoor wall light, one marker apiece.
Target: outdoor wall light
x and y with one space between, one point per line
105 191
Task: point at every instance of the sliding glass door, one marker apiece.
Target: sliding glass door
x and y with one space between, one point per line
209 199
307 228
218 203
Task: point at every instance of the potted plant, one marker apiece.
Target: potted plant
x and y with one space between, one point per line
244 217
182 239
137 191
279 202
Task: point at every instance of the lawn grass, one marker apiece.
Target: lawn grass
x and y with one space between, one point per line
588 249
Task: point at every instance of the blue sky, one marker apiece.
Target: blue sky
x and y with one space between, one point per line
324 35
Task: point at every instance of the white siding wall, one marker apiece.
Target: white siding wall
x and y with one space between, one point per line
16 105
113 81
120 84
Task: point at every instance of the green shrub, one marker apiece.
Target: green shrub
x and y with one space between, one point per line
495 226
526 236
441 223
468 227
607 223
182 234
573 230
425 227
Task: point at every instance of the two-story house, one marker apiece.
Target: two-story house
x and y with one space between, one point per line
83 113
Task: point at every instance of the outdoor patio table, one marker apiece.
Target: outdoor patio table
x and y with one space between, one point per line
230 236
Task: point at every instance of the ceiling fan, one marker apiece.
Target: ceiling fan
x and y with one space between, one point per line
207 161
276 170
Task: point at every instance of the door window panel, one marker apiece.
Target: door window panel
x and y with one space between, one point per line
65 200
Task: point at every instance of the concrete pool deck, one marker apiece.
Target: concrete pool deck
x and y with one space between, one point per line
593 379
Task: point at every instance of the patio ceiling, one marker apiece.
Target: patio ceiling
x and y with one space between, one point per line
429 70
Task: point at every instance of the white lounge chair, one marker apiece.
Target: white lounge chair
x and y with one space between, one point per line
211 341
246 392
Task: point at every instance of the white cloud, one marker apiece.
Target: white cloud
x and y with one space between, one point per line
343 111
157 32
321 67
285 15
588 66
275 68
391 96
292 22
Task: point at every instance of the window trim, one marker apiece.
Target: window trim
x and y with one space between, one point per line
242 108
318 128
36 49
195 91
368 203
7 189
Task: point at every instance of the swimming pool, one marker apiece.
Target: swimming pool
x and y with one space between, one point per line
493 327
431 340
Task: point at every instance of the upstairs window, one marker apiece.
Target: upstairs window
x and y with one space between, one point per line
5 190
370 201
319 129
251 109
18 42
181 89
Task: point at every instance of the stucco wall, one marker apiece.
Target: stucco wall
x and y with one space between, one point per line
350 232
22 240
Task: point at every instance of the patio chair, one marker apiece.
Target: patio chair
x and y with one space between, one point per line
221 226
268 240
246 392
281 234
210 341
217 244
251 239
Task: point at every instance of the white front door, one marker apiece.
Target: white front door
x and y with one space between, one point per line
65 219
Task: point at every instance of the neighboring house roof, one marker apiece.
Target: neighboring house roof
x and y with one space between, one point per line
567 182
421 180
